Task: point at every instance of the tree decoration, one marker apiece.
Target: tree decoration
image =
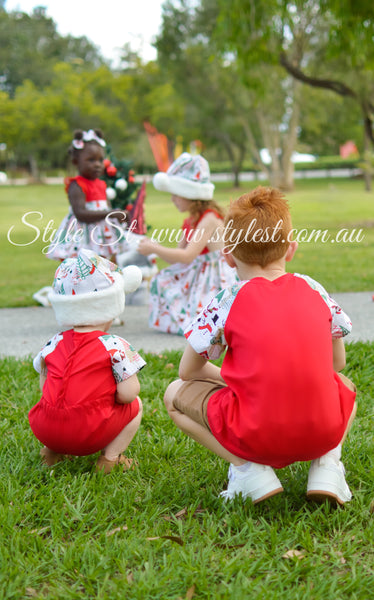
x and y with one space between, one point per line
111 194
111 171
123 191
121 184
120 180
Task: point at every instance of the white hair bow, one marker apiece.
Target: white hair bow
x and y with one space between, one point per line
88 136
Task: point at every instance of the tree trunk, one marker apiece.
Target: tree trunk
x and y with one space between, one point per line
33 168
236 178
236 163
290 140
287 183
253 147
276 178
237 168
368 162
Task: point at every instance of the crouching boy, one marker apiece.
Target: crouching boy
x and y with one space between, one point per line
278 397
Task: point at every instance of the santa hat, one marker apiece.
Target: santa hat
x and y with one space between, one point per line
90 290
188 176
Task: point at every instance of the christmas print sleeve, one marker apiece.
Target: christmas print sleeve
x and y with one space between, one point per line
47 349
341 324
124 359
206 333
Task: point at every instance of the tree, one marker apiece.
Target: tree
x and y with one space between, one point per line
37 125
327 121
31 46
202 81
348 69
32 125
242 109
325 44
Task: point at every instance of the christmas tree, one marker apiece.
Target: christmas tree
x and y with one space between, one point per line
120 179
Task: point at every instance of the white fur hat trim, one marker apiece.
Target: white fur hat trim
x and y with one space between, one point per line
90 290
91 308
179 186
188 176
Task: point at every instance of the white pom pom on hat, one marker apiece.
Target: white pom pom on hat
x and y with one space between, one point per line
90 290
188 176
132 277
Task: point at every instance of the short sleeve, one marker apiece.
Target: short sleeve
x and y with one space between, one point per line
47 349
206 333
341 324
78 180
124 359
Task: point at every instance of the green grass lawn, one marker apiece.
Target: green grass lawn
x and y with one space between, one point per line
160 531
315 205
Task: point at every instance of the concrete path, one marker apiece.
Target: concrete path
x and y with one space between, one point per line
25 330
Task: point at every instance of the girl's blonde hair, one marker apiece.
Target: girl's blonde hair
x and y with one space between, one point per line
198 207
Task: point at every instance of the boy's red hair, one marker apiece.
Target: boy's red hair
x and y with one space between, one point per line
260 221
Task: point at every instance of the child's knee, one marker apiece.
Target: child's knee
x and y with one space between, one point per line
170 394
140 411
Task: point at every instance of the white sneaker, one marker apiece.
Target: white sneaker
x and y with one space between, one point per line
258 483
117 321
41 295
326 481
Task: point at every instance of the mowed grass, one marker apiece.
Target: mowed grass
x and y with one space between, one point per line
160 531
31 214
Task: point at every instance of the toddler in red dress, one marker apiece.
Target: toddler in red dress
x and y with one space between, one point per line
278 397
89 223
88 377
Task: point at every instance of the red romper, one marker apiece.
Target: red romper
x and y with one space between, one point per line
77 413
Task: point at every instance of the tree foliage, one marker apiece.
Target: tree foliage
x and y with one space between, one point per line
202 79
31 46
242 106
326 44
228 73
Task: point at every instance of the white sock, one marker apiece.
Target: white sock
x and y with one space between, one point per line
242 468
335 453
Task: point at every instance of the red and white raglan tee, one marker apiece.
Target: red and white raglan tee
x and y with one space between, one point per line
283 401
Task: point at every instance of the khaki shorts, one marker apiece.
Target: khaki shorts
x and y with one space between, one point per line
193 397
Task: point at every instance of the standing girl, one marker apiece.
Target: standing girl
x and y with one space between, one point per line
198 269
88 225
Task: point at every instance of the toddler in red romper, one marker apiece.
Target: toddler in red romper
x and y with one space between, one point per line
88 377
278 397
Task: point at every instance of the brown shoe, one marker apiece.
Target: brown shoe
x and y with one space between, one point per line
103 464
49 457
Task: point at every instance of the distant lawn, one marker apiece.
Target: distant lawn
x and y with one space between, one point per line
315 205
160 532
